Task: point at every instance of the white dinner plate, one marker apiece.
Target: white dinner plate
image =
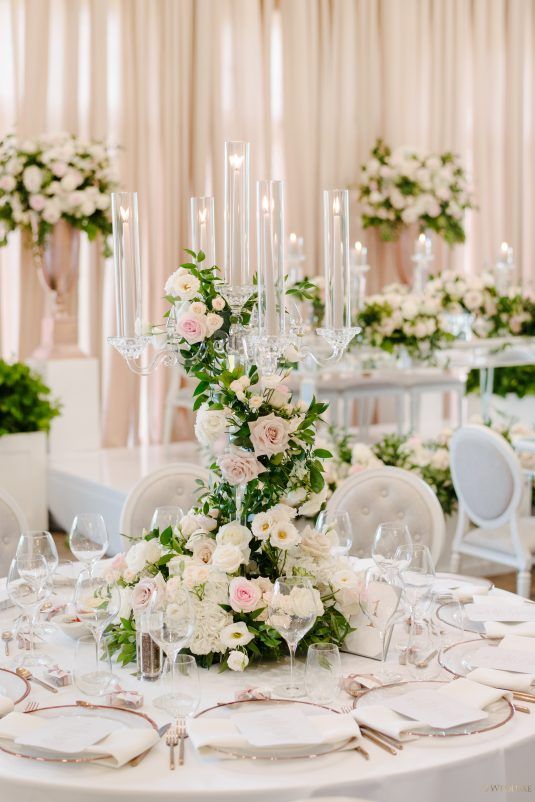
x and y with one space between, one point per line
14 687
499 712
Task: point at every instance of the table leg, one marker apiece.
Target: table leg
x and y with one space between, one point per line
486 386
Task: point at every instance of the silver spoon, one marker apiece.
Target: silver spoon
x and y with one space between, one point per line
27 675
7 636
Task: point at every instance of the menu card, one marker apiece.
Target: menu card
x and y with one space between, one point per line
283 726
69 734
516 660
435 709
486 611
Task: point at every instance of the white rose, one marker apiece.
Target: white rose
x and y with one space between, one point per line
440 459
214 322
7 183
218 303
302 604
295 497
256 401
228 558
52 211
71 180
125 603
195 574
314 503
235 534
237 661
32 178
198 307
210 425
136 558
235 634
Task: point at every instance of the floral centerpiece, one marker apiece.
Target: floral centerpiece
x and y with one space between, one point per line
243 533
51 178
403 187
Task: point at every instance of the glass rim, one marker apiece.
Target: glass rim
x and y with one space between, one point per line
323 647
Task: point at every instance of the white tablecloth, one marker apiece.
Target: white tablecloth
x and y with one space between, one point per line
491 767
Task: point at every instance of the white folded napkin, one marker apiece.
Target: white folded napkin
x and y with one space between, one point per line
208 733
499 629
517 643
6 705
506 680
382 719
116 749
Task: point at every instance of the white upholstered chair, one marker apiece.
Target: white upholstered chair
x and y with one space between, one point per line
390 494
12 523
174 484
488 481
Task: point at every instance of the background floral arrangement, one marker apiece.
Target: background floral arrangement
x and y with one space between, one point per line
242 534
52 178
402 187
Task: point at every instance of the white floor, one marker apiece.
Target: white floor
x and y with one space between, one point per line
99 481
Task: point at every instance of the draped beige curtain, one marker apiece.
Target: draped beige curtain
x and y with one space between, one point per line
310 83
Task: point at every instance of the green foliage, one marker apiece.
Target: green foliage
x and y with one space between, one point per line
25 403
519 381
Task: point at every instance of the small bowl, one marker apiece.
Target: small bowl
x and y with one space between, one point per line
74 629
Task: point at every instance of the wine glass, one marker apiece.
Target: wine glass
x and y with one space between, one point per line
27 587
40 542
171 627
424 646
336 524
389 537
379 601
92 671
165 517
292 612
183 687
417 572
88 538
96 602
323 672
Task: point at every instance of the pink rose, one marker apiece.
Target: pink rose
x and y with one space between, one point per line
239 466
269 435
142 594
357 469
244 596
192 327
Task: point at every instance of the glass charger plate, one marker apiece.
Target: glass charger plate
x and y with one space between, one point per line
464 579
446 614
226 709
129 718
458 659
499 712
14 687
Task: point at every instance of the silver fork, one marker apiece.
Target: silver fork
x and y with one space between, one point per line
31 706
171 739
181 729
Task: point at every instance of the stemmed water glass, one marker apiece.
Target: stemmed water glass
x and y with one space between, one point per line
379 601
292 612
88 538
336 524
39 542
389 537
417 572
97 602
27 587
164 517
171 627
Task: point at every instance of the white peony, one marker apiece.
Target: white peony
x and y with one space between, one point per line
71 180
32 178
210 425
235 534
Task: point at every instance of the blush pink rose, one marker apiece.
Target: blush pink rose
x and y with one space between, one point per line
192 327
239 466
269 435
244 596
143 594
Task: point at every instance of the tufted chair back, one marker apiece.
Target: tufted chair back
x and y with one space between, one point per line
390 494
12 523
174 484
486 474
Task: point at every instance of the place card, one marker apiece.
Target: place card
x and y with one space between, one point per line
521 662
283 726
69 734
434 709
487 611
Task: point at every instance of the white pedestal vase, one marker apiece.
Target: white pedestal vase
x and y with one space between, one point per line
23 474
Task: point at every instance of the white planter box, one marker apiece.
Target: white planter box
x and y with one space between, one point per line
511 406
23 474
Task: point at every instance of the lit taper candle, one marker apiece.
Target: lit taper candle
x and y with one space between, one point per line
203 228
270 241
336 258
127 264
237 272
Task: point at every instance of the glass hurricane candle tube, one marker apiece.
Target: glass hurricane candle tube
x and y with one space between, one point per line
336 258
203 228
270 240
127 264
237 269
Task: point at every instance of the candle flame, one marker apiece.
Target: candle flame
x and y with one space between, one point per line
235 161
504 247
203 215
293 237
265 204
422 238
125 214
336 206
358 246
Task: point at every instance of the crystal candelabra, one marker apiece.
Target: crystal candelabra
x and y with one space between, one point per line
262 327
504 268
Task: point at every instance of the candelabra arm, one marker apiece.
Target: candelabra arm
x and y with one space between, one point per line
132 351
338 339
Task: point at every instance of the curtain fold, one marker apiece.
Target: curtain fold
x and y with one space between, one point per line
310 83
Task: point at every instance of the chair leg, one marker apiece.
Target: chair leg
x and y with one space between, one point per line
455 562
523 584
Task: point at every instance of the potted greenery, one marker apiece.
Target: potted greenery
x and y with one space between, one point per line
26 411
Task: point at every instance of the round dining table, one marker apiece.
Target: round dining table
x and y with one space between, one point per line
496 766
